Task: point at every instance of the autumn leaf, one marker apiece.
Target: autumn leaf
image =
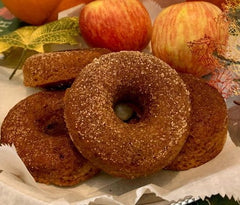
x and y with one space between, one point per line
223 58
224 81
34 38
216 200
231 59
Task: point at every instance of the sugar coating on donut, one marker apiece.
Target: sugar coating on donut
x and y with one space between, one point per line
37 129
118 148
208 125
57 69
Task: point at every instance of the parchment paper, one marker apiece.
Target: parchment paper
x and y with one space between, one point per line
221 175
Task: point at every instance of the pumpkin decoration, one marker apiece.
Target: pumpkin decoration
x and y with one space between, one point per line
37 12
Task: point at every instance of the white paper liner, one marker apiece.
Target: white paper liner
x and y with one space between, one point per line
11 162
219 176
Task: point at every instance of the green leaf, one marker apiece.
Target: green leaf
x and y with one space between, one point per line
18 38
216 200
34 38
12 57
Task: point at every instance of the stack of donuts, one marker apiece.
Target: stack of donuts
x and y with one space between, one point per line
64 137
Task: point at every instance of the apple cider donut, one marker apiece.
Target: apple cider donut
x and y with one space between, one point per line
37 129
57 69
208 125
123 149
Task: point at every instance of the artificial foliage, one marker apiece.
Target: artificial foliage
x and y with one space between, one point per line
226 78
34 38
216 200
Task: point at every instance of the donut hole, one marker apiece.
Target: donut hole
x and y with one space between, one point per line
52 124
130 107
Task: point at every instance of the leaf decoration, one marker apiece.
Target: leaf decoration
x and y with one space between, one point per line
18 38
232 11
223 81
217 200
231 59
224 57
203 49
12 56
34 38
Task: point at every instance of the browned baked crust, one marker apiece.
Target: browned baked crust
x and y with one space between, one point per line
208 125
118 148
37 129
57 69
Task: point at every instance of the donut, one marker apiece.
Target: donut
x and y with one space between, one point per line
57 69
37 129
128 150
208 125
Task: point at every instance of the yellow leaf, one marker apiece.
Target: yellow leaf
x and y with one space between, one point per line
18 38
34 38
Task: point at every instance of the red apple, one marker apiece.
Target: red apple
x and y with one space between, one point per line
189 23
116 24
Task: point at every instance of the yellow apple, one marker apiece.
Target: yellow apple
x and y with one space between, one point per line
189 23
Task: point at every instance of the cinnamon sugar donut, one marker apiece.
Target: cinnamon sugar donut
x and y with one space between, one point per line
208 125
128 149
37 129
57 69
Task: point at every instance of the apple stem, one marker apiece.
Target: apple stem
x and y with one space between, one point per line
19 63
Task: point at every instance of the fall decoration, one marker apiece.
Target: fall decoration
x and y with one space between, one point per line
39 12
185 35
35 37
226 77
